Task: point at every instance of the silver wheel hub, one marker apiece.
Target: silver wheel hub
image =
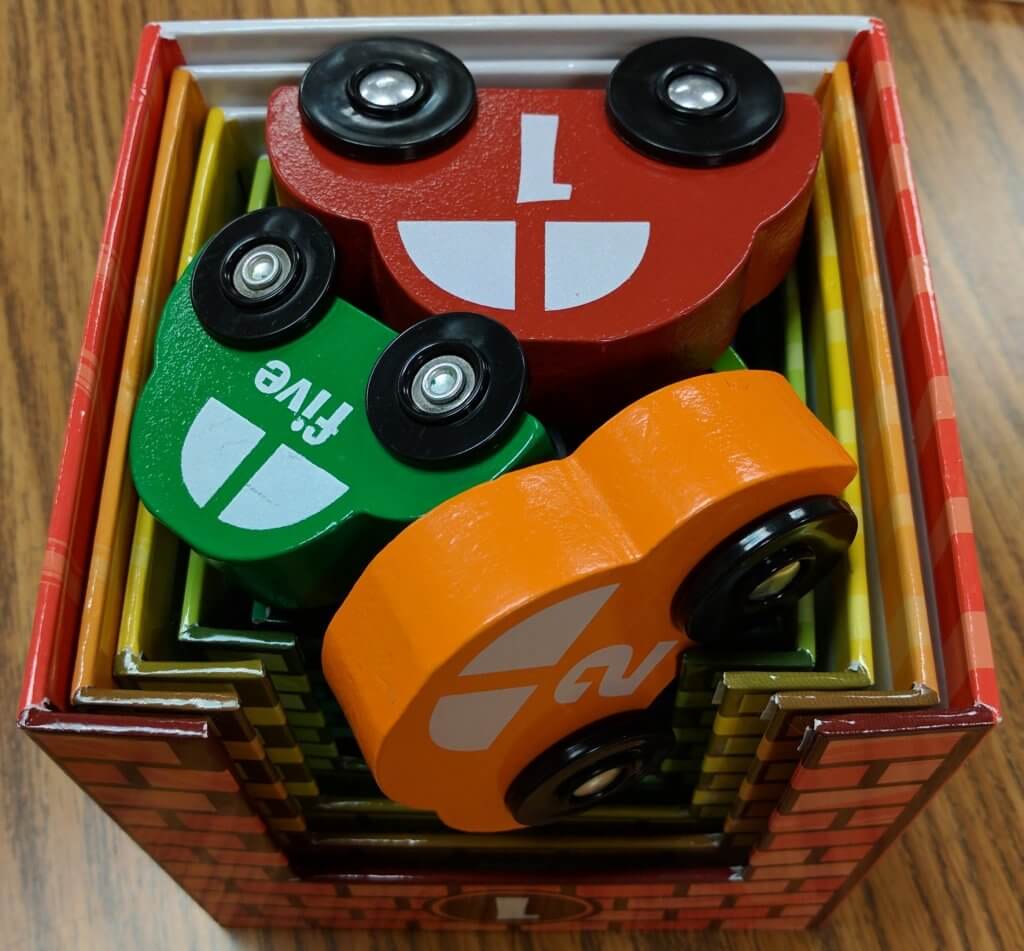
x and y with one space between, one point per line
262 272
388 86
443 384
695 92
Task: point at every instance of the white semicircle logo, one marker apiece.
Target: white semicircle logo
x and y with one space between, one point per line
472 260
286 488
216 444
471 722
475 261
587 260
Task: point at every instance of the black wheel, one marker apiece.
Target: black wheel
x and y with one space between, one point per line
588 767
387 99
766 566
447 390
695 101
264 278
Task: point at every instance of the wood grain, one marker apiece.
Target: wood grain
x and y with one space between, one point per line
69 878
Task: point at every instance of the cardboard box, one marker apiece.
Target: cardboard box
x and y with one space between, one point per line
813 779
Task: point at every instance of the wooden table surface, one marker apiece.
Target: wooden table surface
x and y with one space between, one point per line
69 878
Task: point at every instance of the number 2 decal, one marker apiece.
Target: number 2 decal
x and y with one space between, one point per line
473 721
615 660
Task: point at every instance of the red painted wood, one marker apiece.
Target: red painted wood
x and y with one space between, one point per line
719 239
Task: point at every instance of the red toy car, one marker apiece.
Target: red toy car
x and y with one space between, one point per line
619 233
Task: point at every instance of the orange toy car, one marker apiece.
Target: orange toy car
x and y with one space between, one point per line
496 660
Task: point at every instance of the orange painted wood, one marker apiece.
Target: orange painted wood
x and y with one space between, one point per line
434 654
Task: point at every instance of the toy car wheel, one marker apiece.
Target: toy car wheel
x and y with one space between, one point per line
767 565
447 390
695 101
387 99
264 278
588 767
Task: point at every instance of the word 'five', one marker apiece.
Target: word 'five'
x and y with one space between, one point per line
273 378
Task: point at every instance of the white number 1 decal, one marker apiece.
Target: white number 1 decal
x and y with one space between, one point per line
538 137
476 261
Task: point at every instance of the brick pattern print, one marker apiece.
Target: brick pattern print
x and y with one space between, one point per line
314 718
260 709
766 778
217 624
694 713
700 674
259 777
172 787
736 732
848 799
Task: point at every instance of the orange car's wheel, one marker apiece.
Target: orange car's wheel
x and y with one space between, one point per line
767 565
589 766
